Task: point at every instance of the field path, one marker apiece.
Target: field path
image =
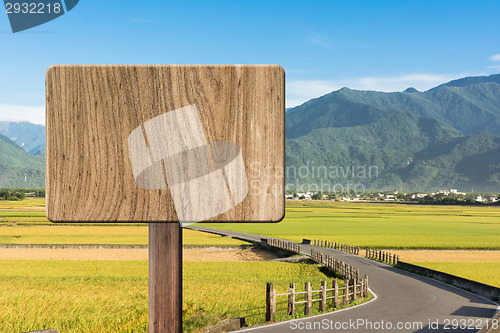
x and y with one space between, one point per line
402 297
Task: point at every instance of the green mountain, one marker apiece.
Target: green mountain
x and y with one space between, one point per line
18 168
471 105
30 137
440 138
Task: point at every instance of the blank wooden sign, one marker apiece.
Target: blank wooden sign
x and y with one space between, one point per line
158 143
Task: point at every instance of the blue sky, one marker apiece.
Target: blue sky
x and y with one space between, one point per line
322 45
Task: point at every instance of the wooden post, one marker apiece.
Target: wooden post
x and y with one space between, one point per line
397 260
354 289
322 302
335 300
366 286
165 277
362 288
308 299
270 302
291 299
346 292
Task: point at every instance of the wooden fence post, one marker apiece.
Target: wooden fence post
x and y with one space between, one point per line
308 296
270 302
366 285
322 302
335 300
291 299
346 292
354 289
397 260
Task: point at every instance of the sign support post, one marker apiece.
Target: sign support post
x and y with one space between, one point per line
165 278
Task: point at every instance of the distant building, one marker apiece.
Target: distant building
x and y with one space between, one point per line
390 197
306 196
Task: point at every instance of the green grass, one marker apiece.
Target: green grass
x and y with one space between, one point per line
485 272
386 226
376 225
112 296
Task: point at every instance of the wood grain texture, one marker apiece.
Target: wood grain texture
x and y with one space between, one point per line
91 110
165 278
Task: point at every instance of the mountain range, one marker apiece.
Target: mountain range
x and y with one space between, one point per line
30 137
18 168
445 137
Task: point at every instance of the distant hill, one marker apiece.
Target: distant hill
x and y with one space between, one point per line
18 168
30 137
444 137
471 105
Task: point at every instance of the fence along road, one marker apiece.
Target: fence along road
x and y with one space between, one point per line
402 298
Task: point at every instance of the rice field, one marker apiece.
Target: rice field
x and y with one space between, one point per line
36 294
112 296
383 225
485 272
375 225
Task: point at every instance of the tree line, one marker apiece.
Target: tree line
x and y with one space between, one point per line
20 193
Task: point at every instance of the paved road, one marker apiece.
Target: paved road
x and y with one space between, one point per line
402 299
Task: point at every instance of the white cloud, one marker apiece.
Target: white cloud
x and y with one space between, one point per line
495 57
317 40
33 114
300 91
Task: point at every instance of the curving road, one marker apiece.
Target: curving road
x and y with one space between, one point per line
420 303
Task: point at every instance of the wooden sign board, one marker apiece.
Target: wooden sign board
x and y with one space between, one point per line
165 143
